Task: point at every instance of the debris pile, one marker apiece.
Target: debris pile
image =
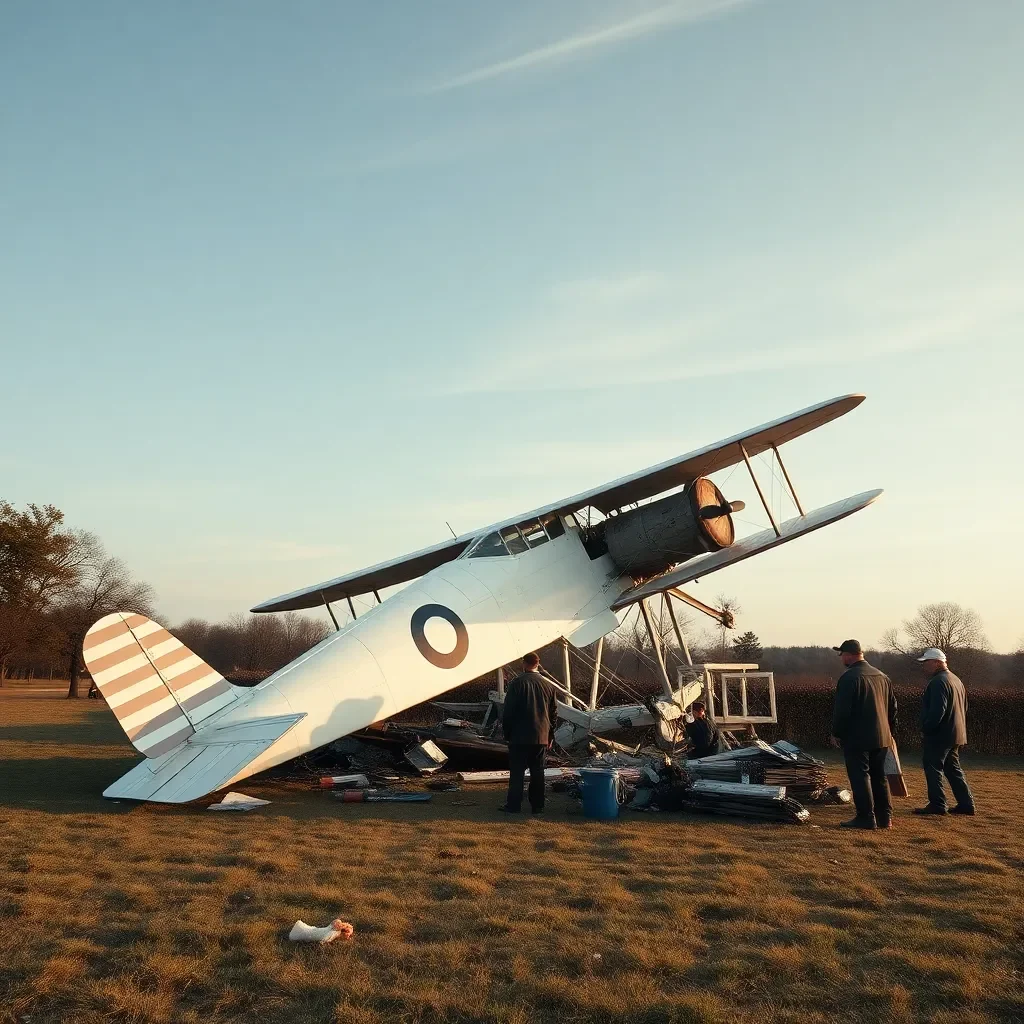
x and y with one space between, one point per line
653 781
757 780
778 764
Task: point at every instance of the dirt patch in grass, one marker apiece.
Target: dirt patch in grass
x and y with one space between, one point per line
123 912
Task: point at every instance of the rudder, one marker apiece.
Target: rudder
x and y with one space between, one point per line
157 688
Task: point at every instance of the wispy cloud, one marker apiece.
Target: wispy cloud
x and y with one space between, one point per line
461 140
593 39
644 328
613 290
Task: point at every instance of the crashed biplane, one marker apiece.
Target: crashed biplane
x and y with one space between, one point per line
477 602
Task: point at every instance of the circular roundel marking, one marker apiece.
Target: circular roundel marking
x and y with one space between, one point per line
438 658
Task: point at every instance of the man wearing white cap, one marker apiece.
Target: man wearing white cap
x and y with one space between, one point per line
944 730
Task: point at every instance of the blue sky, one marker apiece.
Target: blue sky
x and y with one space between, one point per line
285 287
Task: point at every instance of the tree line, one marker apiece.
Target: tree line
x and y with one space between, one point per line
55 582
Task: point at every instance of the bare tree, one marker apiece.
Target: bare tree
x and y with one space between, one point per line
957 631
301 633
195 635
945 624
706 646
104 585
255 645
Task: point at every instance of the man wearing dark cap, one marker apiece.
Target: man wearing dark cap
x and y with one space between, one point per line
863 721
528 722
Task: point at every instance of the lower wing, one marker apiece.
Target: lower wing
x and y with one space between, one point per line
748 547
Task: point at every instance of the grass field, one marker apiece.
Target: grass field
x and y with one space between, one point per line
115 912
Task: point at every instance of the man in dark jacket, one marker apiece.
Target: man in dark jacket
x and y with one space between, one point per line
944 731
863 722
703 733
528 722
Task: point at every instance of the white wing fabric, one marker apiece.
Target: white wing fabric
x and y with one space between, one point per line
625 491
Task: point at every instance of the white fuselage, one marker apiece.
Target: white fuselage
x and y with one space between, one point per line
373 667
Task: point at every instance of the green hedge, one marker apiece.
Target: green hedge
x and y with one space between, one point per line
995 718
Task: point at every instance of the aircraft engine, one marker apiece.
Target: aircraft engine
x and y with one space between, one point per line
651 539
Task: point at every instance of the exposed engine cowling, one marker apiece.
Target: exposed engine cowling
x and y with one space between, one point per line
649 540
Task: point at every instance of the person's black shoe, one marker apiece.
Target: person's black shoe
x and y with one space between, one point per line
508 810
885 823
962 810
930 809
540 810
858 823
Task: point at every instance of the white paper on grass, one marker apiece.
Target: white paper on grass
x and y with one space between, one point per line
238 802
302 932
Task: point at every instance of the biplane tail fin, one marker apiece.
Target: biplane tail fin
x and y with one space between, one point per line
157 688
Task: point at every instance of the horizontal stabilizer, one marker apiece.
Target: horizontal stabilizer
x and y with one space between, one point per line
157 688
209 760
748 546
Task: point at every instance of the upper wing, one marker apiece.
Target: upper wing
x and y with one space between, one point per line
704 461
624 491
377 577
752 545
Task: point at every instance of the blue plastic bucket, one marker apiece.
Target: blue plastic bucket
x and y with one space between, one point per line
600 790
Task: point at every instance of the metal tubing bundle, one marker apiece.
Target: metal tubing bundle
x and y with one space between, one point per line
766 803
780 765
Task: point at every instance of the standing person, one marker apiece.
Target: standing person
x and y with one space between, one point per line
528 722
944 732
702 732
863 722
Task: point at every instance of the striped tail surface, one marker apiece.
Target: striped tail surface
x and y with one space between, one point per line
157 688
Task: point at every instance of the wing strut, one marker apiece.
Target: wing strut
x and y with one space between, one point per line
683 646
656 644
330 611
715 613
760 493
789 483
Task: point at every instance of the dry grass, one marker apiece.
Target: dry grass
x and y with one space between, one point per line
116 912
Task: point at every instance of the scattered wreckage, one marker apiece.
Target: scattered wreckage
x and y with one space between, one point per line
647 768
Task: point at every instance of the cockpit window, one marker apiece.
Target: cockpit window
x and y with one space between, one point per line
553 524
491 546
513 540
534 533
